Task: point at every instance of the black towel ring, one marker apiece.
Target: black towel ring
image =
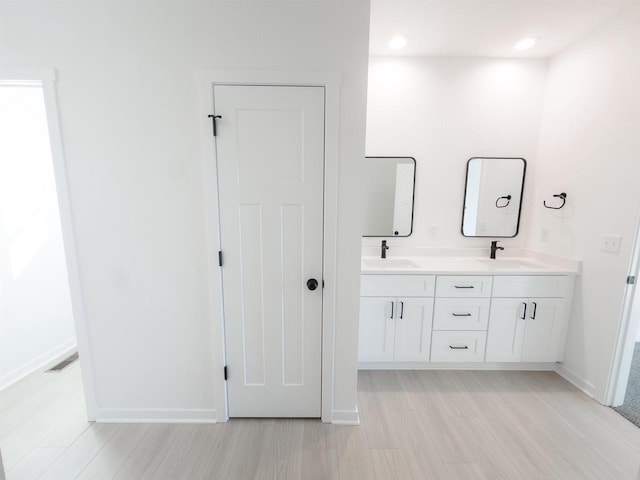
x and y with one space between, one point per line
507 198
562 196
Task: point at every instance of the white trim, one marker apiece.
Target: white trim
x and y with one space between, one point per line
48 78
626 335
155 415
577 381
346 417
41 362
331 81
70 249
515 366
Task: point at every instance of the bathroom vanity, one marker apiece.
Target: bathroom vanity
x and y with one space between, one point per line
420 312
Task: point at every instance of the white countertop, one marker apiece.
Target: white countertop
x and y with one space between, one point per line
531 263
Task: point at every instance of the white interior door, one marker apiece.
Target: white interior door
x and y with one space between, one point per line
270 151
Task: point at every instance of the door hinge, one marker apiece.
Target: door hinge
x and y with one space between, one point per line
213 120
220 258
631 279
225 373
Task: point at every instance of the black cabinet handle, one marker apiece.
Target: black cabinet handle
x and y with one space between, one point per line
312 284
535 309
524 314
391 310
401 309
464 286
458 348
461 314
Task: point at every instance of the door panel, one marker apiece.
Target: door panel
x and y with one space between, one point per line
413 318
270 153
543 329
377 327
250 220
506 330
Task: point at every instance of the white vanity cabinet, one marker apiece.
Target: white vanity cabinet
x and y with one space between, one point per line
396 328
421 321
528 321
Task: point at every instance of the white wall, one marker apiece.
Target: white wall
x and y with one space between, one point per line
590 149
131 128
36 322
443 111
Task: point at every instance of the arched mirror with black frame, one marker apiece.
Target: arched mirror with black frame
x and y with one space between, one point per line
493 197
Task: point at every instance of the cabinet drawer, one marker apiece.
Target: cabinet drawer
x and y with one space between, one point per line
397 285
461 314
530 286
458 346
463 286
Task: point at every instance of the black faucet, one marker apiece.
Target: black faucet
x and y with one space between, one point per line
494 249
384 247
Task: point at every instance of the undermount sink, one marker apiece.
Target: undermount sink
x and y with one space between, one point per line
389 263
500 263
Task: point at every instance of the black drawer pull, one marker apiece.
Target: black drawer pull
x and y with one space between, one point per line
464 286
461 314
458 348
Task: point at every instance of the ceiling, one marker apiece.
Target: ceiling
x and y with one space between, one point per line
481 28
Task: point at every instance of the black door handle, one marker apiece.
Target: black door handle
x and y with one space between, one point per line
312 284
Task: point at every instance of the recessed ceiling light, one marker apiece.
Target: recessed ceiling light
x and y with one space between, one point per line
398 42
526 43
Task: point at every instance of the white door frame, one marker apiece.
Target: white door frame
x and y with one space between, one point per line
46 78
627 328
331 82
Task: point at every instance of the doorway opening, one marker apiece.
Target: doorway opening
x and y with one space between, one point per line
41 309
624 381
36 318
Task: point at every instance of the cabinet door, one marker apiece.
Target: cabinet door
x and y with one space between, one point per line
506 329
413 319
376 329
544 329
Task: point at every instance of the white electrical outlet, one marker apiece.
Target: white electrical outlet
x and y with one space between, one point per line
610 243
433 231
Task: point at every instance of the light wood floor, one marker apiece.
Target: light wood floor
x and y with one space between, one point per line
415 425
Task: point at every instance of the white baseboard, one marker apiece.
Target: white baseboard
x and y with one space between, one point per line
577 381
41 362
346 417
542 366
152 415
